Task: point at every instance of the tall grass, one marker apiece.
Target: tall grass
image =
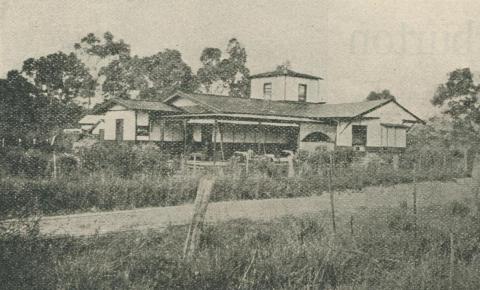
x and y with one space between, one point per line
116 176
385 252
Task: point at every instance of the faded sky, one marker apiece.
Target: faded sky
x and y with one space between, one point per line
356 46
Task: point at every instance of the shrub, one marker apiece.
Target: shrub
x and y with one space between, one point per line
127 160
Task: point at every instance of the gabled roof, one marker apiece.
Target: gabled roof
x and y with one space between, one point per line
284 72
91 119
235 105
141 105
145 105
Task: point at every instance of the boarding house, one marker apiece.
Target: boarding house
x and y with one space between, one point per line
285 111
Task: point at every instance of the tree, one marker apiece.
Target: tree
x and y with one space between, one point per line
286 65
60 75
383 95
225 76
97 54
25 111
93 46
155 76
458 98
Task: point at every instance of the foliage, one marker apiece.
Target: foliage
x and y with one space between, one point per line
98 53
92 45
127 160
60 75
225 76
164 73
27 113
458 98
383 95
110 176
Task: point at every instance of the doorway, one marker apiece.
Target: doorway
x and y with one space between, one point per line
119 129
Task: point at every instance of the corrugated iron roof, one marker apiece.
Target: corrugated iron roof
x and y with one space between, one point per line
226 104
285 72
146 105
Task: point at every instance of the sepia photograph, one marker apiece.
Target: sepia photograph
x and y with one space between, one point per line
202 144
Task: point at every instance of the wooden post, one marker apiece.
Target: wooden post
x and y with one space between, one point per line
476 176
221 141
414 193
54 165
54 157
465 161
185 137
264 140
204 191
396 161
291 169
194 164
332 203
214 142
3 142
351 225
162 127
452 262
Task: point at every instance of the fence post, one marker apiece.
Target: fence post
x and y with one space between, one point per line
194 164
452 262
396 161
332 203
54 165
351 225
291 169
465 162
204 191
414 193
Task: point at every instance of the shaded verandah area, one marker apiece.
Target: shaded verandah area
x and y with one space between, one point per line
217 137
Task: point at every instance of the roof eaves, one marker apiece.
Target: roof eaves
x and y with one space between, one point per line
405 109
374 108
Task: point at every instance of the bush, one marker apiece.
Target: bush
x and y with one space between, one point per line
127 160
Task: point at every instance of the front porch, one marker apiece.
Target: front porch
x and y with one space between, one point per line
214 138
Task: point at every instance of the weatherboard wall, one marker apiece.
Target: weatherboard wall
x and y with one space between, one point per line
128 117
285 88
379 135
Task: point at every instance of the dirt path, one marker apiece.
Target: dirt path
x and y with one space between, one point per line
160 217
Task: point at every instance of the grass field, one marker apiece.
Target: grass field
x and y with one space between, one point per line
384 248
346 202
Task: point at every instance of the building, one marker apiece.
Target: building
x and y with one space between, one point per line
285 112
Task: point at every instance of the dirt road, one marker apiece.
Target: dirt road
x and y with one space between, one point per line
160 217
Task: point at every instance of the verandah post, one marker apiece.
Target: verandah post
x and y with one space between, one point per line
214 142
221 141
184 137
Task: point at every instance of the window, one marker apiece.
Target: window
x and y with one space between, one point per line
359 135
267 90
302 92
143 131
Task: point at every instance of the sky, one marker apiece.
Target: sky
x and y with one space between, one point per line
357 46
